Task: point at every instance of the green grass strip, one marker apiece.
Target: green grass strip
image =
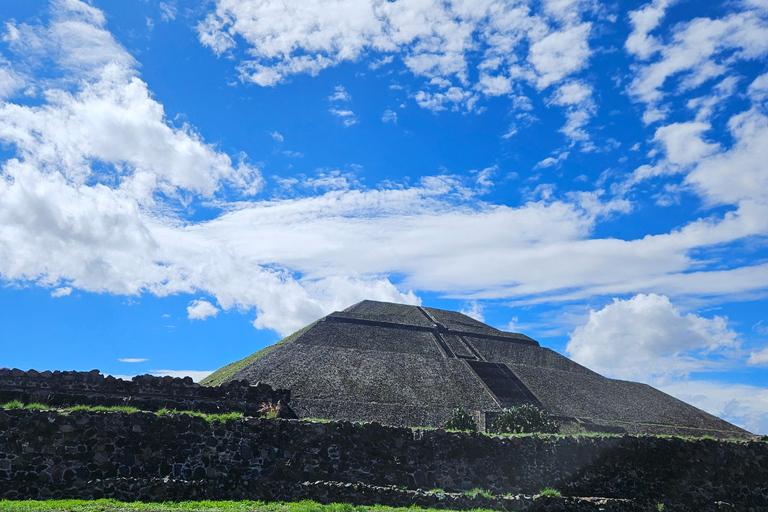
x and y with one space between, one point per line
223 417
195 506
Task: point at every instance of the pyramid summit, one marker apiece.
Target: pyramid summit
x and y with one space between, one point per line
412 366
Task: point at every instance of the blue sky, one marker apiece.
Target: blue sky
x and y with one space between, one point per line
181 186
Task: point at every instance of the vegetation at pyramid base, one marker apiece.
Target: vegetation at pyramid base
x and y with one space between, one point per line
461 420
224 373
524 419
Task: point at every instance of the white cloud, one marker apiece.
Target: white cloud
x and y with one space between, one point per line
132 359
85 211
348 117
197 375
742 404
168 11
201 309
560 54
109 117
474 310
759 357
61 292
576 97
698 51
758 89
340 94
646 338
389 116
276 135
434 40
552 161
10 80
644 21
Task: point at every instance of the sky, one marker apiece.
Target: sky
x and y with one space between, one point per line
184 183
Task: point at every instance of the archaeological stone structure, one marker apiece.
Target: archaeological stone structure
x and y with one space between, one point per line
411 366
54 454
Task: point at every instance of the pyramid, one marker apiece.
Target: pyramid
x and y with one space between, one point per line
412 366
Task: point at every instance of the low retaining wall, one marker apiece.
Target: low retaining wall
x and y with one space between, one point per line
144 392
47 454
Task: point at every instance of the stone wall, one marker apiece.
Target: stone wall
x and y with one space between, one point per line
144 392
49 454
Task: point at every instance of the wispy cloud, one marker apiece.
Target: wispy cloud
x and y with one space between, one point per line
132 360
389 116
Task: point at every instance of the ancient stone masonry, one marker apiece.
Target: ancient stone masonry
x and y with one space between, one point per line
84 454
412 366
144 392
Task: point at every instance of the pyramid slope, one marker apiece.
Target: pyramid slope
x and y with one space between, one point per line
411 366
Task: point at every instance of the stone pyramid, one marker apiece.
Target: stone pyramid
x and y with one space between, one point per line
412 366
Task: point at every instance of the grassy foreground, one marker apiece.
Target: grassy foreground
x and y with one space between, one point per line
194 506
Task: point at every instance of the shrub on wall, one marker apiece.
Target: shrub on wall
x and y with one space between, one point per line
461 420
523 419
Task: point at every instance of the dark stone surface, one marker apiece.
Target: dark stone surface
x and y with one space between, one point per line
410 366
144 392
142 456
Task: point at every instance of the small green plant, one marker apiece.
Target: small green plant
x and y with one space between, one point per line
270 410
15 404
660 507
36 406
461 420
479 492
552 493
523 419
437 491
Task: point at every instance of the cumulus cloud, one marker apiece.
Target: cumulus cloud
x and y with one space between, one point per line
758 357
742 404
576 97
647 338
201 309
61 292
101 212
436 41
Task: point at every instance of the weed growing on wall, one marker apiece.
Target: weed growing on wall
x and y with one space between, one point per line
479 492
270 410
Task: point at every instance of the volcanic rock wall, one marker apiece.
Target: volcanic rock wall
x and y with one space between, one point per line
144 392
49 454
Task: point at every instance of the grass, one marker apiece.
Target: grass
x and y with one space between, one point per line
552 493
226 372
16 404
479 492
223 418
437 491
102 408
195 506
